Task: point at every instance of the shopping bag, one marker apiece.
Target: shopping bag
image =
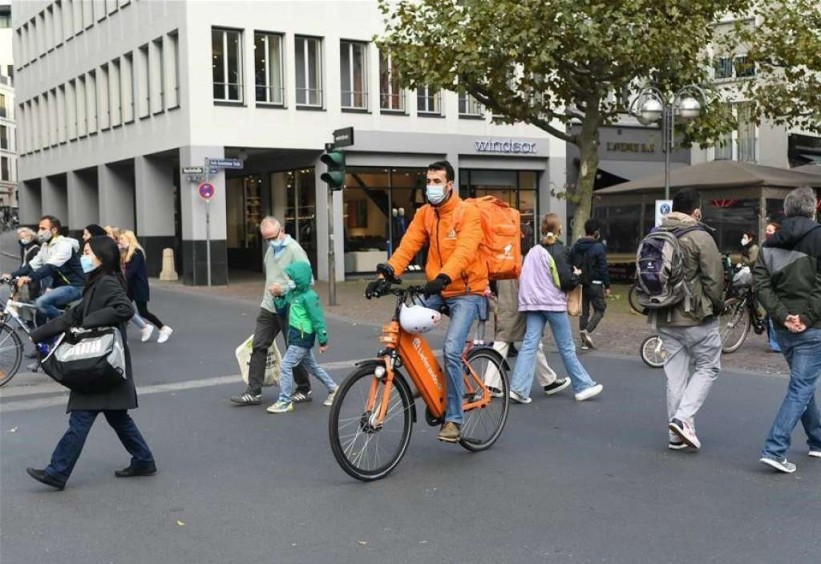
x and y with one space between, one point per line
272 361
90 361
574 301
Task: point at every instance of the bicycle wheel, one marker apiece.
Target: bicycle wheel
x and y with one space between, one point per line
734 324
652 352
631 299
11 354
483 425
364 450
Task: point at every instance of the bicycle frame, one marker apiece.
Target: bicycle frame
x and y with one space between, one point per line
10 310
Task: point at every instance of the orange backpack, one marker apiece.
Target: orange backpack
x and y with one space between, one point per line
501 246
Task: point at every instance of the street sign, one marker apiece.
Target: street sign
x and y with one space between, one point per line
225 163
343 137
192 170
206 190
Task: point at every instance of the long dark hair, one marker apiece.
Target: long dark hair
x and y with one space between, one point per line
106 250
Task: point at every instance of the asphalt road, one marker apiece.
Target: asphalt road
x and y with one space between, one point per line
567 481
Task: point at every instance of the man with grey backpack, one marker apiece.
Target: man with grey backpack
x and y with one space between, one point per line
681 286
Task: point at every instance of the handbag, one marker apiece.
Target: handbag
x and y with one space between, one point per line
574 301
272 361
87 360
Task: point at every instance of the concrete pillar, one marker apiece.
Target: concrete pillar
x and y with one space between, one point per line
154 202
116 190
55 197
83 199
323 213
30 201
193 211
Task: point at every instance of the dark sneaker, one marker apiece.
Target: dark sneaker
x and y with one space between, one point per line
556 386
677 445
132 471
780 465
43 478
686 432
302 397
451 432
248 398
587 342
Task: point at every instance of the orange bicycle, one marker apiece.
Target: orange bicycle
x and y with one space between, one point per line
374 410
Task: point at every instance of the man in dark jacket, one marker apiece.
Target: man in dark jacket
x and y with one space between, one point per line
589 255
689 329
787 282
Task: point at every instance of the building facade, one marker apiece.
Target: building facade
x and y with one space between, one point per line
115 97
8 133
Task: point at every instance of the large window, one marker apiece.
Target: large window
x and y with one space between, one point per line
354 74
4 169
308 51
268 75
226 55
4 137
391 95
746 133
3 105
469 106
428 100
724 67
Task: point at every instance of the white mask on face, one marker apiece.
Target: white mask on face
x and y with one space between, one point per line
744 241
435 194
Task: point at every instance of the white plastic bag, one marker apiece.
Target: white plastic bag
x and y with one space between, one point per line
272 362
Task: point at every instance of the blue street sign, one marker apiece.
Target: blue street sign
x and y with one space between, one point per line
225 163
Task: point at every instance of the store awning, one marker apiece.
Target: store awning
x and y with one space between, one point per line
809 168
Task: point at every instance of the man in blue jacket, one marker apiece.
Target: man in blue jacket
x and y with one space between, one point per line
589 256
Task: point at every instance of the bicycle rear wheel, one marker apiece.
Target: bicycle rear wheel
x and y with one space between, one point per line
365 450
652 352
483 425
11 354
734 324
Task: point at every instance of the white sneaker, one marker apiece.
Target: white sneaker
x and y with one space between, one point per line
780 465
815 453
165 332
519 398
148 331
685 431
590 392
330 399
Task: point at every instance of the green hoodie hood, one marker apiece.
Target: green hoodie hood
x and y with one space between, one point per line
300 272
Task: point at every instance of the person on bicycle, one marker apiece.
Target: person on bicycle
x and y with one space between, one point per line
456 275
59 260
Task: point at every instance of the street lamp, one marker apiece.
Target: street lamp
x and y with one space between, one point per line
653 106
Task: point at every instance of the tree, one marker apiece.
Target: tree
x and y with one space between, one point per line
784 45
552 63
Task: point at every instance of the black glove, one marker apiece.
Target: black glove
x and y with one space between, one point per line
376 288
385 270
435 286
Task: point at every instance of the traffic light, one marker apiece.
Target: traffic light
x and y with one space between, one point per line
334 176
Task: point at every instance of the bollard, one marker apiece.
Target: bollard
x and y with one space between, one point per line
168 272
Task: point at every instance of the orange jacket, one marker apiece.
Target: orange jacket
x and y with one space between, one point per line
454 246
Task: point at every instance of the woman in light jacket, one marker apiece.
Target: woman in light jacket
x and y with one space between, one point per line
546 277
104 304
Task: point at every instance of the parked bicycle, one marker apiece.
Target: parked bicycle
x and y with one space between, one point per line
11 345
374 410
652 351
741 311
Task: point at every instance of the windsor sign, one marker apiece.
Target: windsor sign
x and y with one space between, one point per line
508 146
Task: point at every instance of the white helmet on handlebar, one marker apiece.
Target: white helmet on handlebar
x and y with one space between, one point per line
418 319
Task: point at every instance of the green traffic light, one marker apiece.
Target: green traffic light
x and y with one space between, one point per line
333 159
334 176
335 179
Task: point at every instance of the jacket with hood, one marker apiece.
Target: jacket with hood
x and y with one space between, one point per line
589 255
305 318
786 278
454 246
277 257
546 278
702 271
58 259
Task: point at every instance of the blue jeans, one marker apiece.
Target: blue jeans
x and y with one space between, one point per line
771 335
803 354
522 379
464 310
68 450
293 357
48 303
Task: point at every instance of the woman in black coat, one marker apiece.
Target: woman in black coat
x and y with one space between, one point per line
104 304
136 278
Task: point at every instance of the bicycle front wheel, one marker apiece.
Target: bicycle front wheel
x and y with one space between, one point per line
652 352
734 324
365 448
11 354
483 425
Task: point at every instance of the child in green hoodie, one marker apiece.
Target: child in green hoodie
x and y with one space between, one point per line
306 324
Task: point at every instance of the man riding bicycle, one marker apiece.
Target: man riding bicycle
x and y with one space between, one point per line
456 275
59 260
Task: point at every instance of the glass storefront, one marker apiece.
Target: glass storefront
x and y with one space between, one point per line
518 188
299 190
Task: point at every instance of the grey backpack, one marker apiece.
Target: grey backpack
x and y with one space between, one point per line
660 282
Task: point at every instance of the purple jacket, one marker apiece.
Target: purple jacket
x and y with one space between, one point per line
538 290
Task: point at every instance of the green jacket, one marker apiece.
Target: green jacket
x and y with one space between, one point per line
275 263
305 317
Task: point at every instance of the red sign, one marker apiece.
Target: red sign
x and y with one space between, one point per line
206 190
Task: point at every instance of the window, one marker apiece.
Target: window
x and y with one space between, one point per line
308 52
5 21
428 100
103 97
35 124
468 105
724 148
268 76
354 73
172 71
71 109
391 95
743 69
91 101
82 119
226 52
142 84
746 133
4 168
127 87
157 76
3 106
53 124
724 68
114 96
60 121
4 137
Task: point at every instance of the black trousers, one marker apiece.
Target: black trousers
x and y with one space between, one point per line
142 309
269 325
592 295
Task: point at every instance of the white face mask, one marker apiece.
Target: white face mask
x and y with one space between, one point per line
435 194
744 241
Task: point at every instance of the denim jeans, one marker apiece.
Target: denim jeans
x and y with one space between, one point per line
68 450
293 357
464 310
559 322
48 303
771 338
803 354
